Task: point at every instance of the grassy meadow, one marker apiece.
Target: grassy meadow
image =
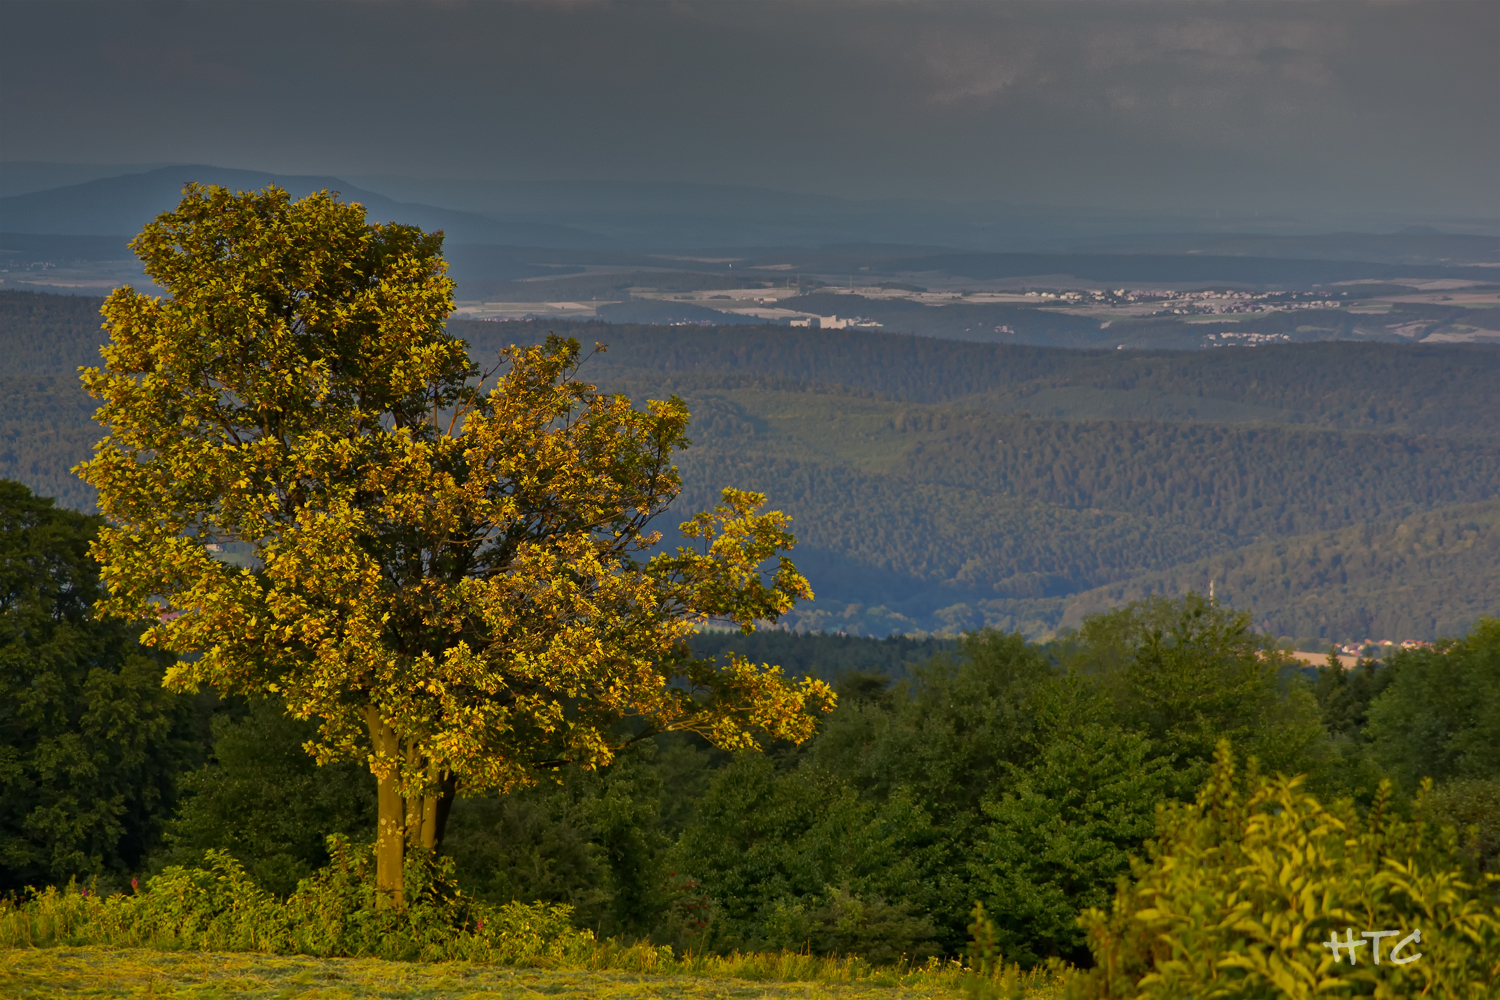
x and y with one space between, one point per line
45 973
95 971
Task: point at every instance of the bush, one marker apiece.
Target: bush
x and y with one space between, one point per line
1058 842
1188 672
797 859
215 906
842 923
1472 806
92 742
218 907
266 801
1243 889
989 977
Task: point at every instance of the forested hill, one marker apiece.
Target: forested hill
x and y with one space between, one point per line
48 334
1333 488
1444 389
925 517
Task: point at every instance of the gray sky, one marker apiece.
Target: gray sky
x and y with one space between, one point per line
1266 106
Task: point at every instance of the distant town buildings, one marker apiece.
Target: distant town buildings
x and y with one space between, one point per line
834 323
1371 647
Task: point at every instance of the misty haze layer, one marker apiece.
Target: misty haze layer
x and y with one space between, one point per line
1388 110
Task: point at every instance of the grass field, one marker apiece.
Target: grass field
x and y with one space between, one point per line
46 973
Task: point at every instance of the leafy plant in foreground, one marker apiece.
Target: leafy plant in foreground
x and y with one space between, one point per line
1244 889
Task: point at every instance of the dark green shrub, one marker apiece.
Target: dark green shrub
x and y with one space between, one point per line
1471 806
90 743
1439 715
266 801
1058 842
796 859
842 923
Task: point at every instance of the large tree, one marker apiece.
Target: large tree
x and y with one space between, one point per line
452 568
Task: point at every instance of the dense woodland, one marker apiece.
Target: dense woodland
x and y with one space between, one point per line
1336 490
981 511
990 769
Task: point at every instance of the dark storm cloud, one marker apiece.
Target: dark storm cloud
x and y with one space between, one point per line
1273 106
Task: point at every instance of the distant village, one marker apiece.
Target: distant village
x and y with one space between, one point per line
1380 647
1212 302
1350 654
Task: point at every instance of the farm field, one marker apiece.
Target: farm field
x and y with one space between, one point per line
47 973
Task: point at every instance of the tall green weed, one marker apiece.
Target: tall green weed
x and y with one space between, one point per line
990 977
1243 891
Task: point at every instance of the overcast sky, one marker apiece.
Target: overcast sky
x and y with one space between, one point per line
1266 106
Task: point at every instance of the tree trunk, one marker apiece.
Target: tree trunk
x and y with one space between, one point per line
427 816
435 809
390 833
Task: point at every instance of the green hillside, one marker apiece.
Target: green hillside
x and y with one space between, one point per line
1435 389
48 334
829 656
938 485
938 517
1428 574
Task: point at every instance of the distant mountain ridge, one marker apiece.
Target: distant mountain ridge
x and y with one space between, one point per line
123 204
26 176
661 215
707 216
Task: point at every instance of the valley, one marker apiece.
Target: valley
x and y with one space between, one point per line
940 485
